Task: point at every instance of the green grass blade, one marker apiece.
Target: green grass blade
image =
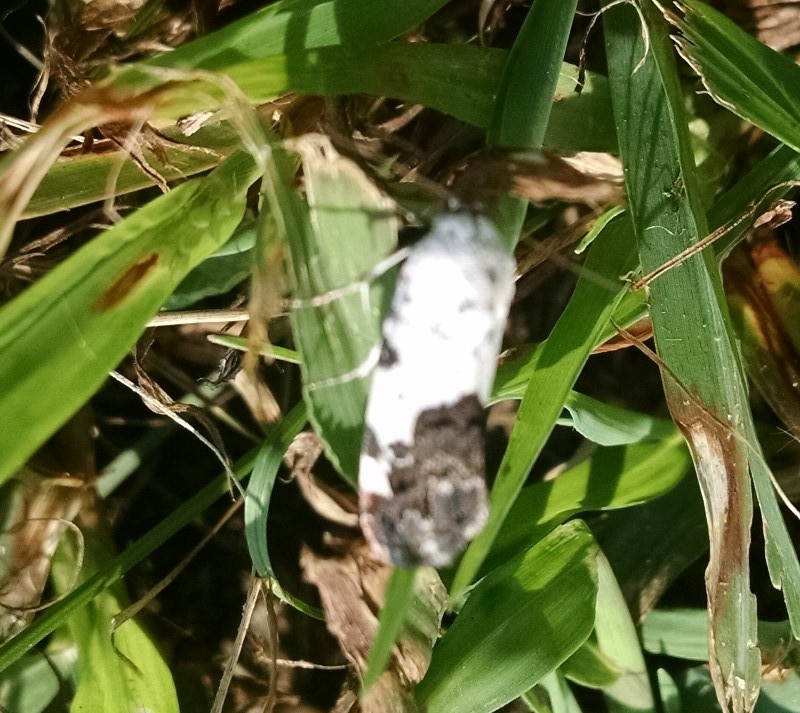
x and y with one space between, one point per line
305 24
259 494
525 95
767 181
397 601
106 680
589 666
87 178
619 642
290 356
552 695
519 623
220 272
612 478
742 74
336 323
61 337
553 370
609 425
583 119
691 329
668 692
681 633
456 79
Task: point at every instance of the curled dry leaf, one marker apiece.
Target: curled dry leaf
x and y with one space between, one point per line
641 330
326 501
763 287
587 179
50 492
351 586
257 395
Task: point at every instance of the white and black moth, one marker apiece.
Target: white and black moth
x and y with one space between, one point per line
422 468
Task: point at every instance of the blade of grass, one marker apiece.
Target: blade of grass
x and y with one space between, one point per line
228 266
691 330
258 496
609 425
612 478
742 74
61 337
87 178
771 178
589 666
299 24
619 642
552 695
525 95
519 623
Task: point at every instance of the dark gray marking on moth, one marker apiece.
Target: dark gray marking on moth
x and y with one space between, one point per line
388 356
369 444
439 499
399 450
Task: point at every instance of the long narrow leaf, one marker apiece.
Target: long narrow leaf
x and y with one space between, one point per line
691 330
76 324
743 75
531 614
259 494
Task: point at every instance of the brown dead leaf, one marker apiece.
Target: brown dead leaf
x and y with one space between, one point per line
257 396
722 470
763 287
351 586
51 490
539 177
326 501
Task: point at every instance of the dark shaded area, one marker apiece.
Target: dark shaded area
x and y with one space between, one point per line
20 26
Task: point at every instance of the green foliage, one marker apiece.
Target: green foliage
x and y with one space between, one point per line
536 607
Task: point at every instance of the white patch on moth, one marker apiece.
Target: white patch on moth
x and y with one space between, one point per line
445 325
441 339
372 477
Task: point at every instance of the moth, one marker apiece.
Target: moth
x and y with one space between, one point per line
422 484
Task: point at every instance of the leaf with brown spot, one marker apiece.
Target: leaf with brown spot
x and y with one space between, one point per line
126 283
61 332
